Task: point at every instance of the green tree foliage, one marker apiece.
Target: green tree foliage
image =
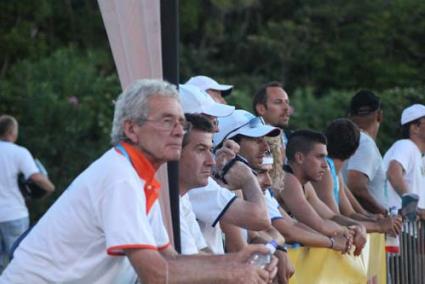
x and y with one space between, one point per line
319 44
64 106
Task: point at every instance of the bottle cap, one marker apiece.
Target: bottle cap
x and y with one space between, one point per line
272 245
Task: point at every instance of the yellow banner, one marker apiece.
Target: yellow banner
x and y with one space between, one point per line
326 266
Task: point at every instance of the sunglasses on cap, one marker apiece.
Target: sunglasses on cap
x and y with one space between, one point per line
252 123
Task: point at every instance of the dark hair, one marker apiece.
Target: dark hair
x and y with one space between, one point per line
260 97
364 102
303 141
405 128
197 122
343 138
237 138
7 123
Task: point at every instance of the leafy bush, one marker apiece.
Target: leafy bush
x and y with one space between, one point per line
64 107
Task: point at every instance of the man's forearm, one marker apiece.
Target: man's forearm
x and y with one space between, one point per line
252 192
296 233
395 176
369 202
370 225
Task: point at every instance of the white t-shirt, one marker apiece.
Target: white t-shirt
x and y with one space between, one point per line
209 204
410 158
192 240
368 160
272 206
82 236
14 159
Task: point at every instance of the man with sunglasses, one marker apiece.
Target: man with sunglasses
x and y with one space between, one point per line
214 204
404 162
107 226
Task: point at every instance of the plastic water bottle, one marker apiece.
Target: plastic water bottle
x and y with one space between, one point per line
392 243
261 260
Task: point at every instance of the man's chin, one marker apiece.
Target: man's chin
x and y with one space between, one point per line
283 125
173 156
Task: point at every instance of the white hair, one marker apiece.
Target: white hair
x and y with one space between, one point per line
132 104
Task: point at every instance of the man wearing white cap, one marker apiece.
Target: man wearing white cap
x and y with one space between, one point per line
404 163
213 203
213 88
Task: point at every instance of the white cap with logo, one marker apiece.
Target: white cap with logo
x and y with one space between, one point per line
412 113
205 83
194 100
244 123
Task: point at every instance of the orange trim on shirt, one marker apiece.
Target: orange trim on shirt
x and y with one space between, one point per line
164 246
146 171
119 250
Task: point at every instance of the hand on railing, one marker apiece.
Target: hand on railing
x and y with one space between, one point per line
391 225
421 214
360 238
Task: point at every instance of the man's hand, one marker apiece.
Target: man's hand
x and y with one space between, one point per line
420 213
226 153
249 273
360 238
239 175
285 268
266 274
342 243
391 225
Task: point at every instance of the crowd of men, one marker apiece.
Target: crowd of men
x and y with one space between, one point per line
244 180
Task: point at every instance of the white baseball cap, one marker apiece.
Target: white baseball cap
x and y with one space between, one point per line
194 100
244 123
205 83
412 113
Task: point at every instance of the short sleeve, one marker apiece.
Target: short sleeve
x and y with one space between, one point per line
27 164
403 153
122 211
362 160
209 203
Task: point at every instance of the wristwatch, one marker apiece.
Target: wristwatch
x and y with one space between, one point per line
283 248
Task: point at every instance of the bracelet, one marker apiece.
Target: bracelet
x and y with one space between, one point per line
332 243
282 248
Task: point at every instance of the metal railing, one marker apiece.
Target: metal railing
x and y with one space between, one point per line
408 267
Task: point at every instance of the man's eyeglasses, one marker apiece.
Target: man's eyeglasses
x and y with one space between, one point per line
169 124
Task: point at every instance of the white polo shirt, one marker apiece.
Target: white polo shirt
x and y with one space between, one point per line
14 159
407 153
209 204
81 238
192 240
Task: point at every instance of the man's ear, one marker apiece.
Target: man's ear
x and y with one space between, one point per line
130 131
379 116
261 109
299 157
